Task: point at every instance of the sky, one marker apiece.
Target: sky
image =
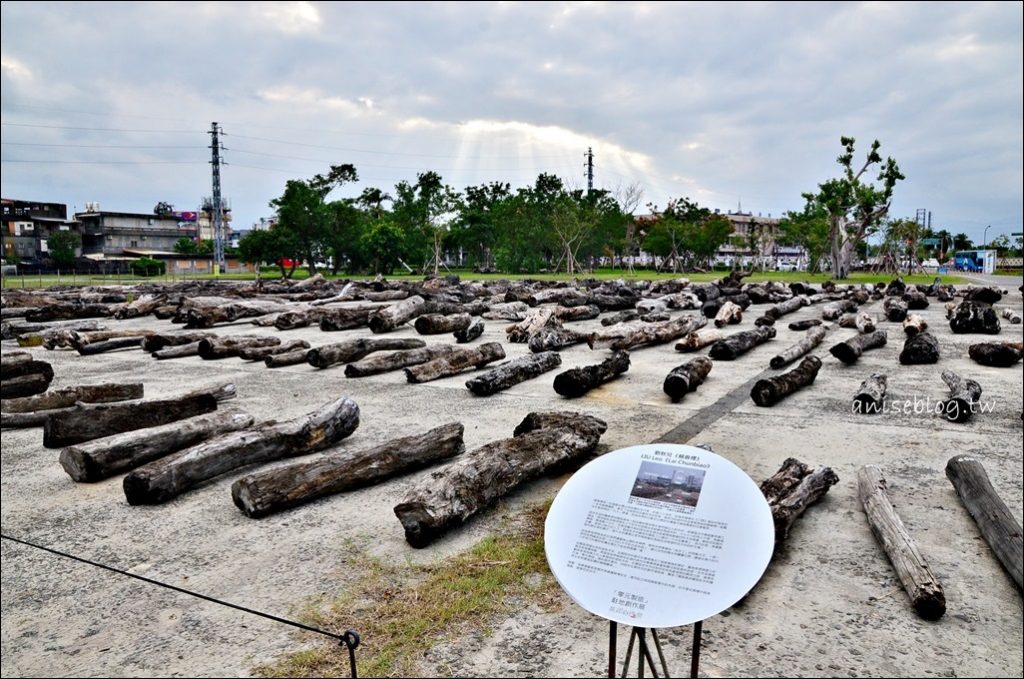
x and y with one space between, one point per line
734 105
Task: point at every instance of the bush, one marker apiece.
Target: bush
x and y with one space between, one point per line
148 267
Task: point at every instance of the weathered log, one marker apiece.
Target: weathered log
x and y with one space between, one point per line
687 377
870 398
996 354
143 306
950 309
85 422
861 320
555 337
649 334
293 357
1010 315
346 318
781 483
983 294
76 339
438 306
811 488
849 351
895 288
25 385
470 333
770 390
261 353
178 351
394 315
811 339
8 361
914 324
21 367
459 360
699 339
67 312
920 583
110 345
507 311
437 324
153 343
265 492
213 348
105 457
582 312
921 349
537 319
763 321
612 302
353 350
737 344
65 398
479 478
806 324
915 299
385 295
728 314
14 330
621 317
963 395
170 476
578 381
789 306
209 316
974 317
381 363
999 527
834 310
512 373
895 309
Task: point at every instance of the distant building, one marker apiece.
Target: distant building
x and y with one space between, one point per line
107 233
27 224
204 221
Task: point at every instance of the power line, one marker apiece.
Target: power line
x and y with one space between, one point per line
99 129
388 167
382 153
104 162
96 146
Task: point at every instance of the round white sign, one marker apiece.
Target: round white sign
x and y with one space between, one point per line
659 535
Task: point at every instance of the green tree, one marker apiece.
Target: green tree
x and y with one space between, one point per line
185 246
382 241
62 246
345 224
854 205
272 246
962 242
809 230
476 228
686 234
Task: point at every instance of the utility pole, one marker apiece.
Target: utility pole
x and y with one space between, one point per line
218 216
589 155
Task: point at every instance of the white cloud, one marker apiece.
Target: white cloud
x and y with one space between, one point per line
292 17
15 69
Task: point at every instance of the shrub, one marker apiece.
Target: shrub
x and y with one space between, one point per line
148 267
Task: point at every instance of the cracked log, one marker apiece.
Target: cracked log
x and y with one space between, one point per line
920 349
32 411
914 324
964 394
699 339
382 363
578 381
459 360
353 350
974 317
687 377
470 333
514 372
728 314
438 324
996 354
261 353
649 334
811 339
152 343
213 348
394 315
346 318
849 351
735 345
895 309
770 390
870 397
555 337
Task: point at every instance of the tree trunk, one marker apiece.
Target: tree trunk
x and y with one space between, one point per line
578 381
18 330
653 333
170 476
734 346
76 339
85 422
261 353
792 304
862 321
110 345
386 295
781 483
914 324
152 343
475 329
895 309
805 325
293 357
105 457
272 490
974 317
920 349
555 337
834 310
381 363
21 368
811 339
582 312
65 398
849 351
870 398
996 354
728 314
209 316
353 350
346 318
687 377
999 527
459 360
921 585
143 306
394 315
535 320
699 339
915 299
67 312
15 358
213 348
963 395
811 488
178 351
769 391
621 317
1010 315
25 385
481 477
512 373
437 324
507 311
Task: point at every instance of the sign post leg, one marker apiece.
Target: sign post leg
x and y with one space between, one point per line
612 639
695 654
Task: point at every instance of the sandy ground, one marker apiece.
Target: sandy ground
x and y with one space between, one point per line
829 604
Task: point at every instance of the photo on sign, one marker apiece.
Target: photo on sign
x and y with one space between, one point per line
668 483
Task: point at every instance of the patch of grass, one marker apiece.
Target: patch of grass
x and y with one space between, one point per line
402 611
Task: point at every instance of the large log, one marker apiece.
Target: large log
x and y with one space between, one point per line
293 357
67 312
974 317
737 344
922 349
209 316
65 398
895 309
110 345
394 315
168 477
770 390
346 318
914 324
1010 315
261 353
812 338
862 320
983 294
15 358
649 334
459 360
805 324
438 324
105 457
470 333
25 385
685 378
18 330
995 354
555 337
781 483
507 311
353 350
85 422
621 317
915 299
849 351
578 381
143 306
870 398
224 347
21 367
177 351
512 373
537 319
577 313
1000 528
834 310
699 339
152 343
381 363
811 488
386 295
76 339
728 314
479 478
273 490
964 394
920 583
789 306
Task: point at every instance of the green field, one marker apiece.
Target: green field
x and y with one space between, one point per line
54 280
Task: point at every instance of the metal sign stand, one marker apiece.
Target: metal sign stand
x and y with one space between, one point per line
644 653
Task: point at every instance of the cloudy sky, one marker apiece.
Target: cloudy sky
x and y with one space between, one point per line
730 104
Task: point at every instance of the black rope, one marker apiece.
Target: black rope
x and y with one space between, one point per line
350 638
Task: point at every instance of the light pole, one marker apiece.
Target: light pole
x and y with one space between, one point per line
985 237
